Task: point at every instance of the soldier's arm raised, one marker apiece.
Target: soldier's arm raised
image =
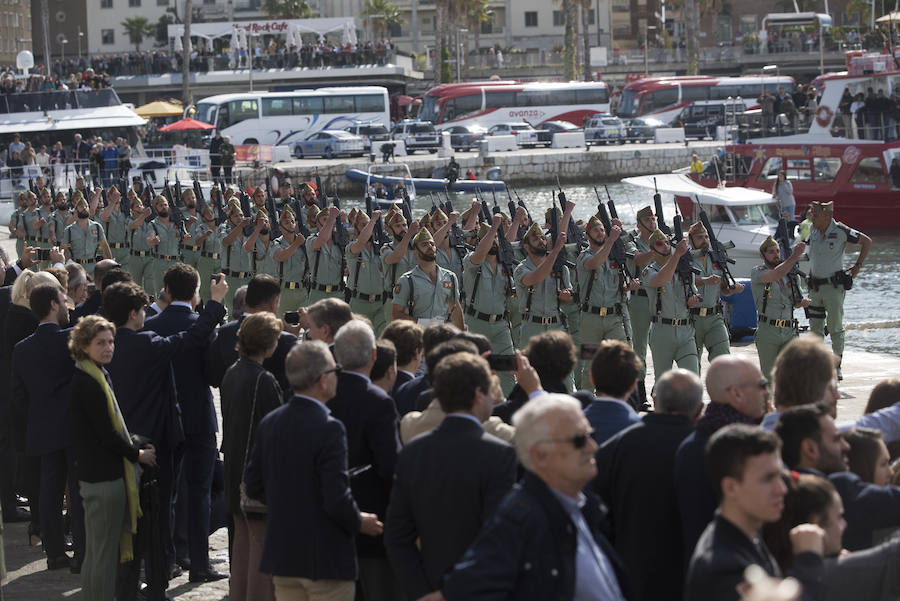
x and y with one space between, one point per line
484 246
396 255
540 274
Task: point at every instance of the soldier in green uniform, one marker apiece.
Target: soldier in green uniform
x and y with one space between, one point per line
259 246
540 290
42 223
427 293
397 257
291 262
84 239
603 306
488 284
141 253
364 277
116 225
447 257
190 247
29 223
259 202
326 259
828 282
210 245
17 222
62 217
772 296
308 196
165 239
671 330
639 309
235 262
710 330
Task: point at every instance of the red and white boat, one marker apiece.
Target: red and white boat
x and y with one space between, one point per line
826 165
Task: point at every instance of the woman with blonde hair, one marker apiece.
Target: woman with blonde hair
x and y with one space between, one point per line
107 477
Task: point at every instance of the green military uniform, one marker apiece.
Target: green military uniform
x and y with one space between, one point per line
17 219
826 289
32 234
426 300
117 235
42 234
165 253
261 259
639 310
209 261
141 254
291 274
326 270
392 273
539 305
235 261
366 283
190 250
709 323
84 246
60 217
671 330
776 325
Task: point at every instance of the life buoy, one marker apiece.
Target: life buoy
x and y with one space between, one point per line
824 115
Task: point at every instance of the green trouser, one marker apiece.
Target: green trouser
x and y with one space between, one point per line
294 298
515 320
120 255
498 332
673 345
105 508
137 267
156 270
829 300
190 257
769 342
374 311
206 267
597 328
20 247
317 295
710 333
639 311
529 329
573 319
233 284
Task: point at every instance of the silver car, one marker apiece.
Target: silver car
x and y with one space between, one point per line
330 143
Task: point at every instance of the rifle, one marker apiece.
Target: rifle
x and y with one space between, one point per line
201 201
793 276
660 220
245 207
617 252
339 235
320 192
274 229
177 190
561 259
573 232
406 206
379 237
718 252
151 193
684 268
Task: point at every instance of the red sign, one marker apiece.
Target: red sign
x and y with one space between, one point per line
247 153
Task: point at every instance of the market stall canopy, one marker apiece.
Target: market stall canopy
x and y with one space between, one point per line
271 26
892 17
186 124
160 108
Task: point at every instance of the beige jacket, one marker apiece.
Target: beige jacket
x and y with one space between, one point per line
419 422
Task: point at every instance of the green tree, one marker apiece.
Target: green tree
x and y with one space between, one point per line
477 13
585 6
162 28
138 28
570 40
384 15
287 9
446 72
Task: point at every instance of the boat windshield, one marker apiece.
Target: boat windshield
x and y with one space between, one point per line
44 101
761 214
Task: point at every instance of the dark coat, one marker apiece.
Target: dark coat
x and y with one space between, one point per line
402 378
526 552
518 398
609 416
369 416
299 466
635 479
406 395
222 354
867 508
90 306
42 369
724 552
447 485
198 414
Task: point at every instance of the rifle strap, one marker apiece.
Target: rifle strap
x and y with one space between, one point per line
228 256
766 292
590 286
315 276
359 261
475 286
411 301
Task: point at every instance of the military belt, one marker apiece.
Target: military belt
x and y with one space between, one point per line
86 261
325 287
118 245
779 323
39 239
240 274
167 257
705 311
546 321
190 248
488 317
372 298
670 322
602 311
292 285
140 253
209 255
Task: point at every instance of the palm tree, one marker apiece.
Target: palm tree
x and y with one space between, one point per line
186 98
384 15
137 28
570 40
691 31
287 9
477 13
441 10
585 38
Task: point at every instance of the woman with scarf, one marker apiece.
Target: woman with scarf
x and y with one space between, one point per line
107 472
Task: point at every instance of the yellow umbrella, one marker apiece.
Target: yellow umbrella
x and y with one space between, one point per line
892 17
160 108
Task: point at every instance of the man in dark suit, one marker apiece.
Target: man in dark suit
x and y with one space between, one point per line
263 293
42 368
614 374
406 395
198 417
407 338
635 478
144 384
80 154
448 481
313 518
93 304
370 418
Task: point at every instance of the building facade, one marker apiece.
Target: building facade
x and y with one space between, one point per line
15 29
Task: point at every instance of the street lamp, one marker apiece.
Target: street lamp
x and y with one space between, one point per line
647 48
459 53
80 36
250 56
62 45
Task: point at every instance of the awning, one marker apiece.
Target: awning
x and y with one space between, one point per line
682 185
160 108
268 27
892 17
79 119
795 19
187 124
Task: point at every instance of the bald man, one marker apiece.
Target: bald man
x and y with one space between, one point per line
739 394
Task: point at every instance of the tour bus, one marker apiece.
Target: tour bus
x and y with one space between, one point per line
664 98
488 103
287 117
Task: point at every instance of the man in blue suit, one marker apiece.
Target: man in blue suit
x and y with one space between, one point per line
198 417
41 370
614 373
143 381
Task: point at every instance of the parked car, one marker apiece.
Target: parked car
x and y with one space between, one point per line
643 129
701 118
604 128
417 135
369 132
330 143
465 137
524 133
548 129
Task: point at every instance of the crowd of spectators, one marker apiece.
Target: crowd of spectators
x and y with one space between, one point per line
103 161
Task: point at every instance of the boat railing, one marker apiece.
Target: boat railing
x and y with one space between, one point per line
59 176
52 100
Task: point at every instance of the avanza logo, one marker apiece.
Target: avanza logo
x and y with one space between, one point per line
524 113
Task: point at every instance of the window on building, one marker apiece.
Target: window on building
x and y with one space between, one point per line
162 2
748 24
107 37
621 6
592 17
559 19
106 3
134 3
531 19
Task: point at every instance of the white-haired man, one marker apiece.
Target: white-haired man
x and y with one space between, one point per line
545 540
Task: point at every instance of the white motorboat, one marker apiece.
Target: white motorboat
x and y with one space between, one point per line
744 216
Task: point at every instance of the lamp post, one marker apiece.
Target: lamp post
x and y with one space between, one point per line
62 45
250 56
80 37
647 49
459 31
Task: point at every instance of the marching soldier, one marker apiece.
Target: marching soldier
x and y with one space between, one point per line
326 258
427 293
29 223
710 330
42 223
62 217
84 239
190 247
603 308
259 245
259 202
291 262
308 196
364 276
540 290
116 224
210 245
828 282
447 257
639 309
397 257
165 238
141 253
672 330
772 296
17 223
235 262
488 284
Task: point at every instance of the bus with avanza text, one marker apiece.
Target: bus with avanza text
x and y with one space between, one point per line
664 98
287 117
487 103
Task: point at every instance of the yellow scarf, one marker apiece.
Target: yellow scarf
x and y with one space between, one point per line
126 552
